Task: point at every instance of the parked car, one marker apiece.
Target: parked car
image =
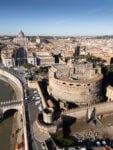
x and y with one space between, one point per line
104 143
98 143
40 108
37 102
35 92
37 98
36 95
33 97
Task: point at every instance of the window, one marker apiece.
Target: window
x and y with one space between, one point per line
63 83
71 84
78 85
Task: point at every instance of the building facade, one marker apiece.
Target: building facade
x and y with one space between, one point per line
44 58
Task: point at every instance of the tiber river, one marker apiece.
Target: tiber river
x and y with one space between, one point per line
6 93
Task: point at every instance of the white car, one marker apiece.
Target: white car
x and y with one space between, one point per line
37 102
40 108
83 148
35 92
36 95
104 143
98 143
37 98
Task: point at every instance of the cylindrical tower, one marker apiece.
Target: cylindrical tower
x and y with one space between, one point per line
48 115
79 83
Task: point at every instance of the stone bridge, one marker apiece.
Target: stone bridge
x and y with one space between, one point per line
101 109
9 105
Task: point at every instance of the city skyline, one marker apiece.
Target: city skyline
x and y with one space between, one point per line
57 18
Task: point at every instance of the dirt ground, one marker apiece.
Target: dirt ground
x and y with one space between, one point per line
104 127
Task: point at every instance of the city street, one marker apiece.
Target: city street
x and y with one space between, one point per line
32 112
20 56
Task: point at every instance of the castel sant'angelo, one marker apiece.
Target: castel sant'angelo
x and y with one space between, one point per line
79 82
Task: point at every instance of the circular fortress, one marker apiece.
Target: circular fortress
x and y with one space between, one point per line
76 82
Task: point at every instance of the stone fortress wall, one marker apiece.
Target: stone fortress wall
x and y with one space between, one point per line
102 109
84 88
83 92
48 116
35 85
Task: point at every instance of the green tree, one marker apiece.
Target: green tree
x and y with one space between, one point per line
28 66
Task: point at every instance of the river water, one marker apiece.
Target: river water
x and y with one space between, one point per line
6 93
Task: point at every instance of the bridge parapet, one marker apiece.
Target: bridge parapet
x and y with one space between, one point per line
10 102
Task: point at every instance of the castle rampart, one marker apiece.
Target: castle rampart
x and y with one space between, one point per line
73 87
101 109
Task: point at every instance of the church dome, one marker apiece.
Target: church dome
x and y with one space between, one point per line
21 34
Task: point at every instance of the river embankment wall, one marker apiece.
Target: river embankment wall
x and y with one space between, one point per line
16 84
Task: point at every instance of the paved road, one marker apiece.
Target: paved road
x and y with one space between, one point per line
32 111
20 57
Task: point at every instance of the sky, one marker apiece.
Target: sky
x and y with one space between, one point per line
56 17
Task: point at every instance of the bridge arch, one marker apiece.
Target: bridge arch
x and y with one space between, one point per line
9 112
16 108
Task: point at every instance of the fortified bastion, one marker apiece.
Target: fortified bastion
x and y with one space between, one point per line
76 82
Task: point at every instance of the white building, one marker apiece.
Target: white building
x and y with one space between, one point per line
7 59
31 59
44 58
